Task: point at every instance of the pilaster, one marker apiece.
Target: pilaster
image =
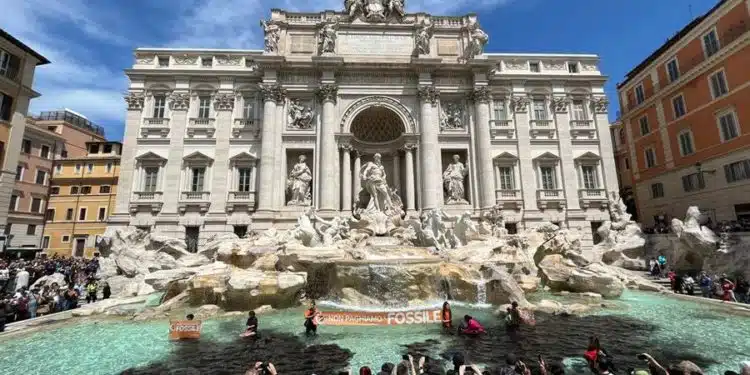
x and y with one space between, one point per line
429 153
127 177
269 93
173 169
223 105
329 162
481 98
520 107
601 121
567 169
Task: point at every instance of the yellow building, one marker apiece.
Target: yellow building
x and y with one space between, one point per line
82 195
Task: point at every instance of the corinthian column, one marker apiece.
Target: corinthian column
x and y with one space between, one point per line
430 149
329 192
481 98
270 93
346 183
409 159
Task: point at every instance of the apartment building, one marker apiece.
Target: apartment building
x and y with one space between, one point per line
82 195
28 200
686 121
17 65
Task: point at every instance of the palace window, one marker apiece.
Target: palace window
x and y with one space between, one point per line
579 110
534 66
711 43
540 109
507 178
678 104
204 106
151 176
148 172
197 179
248 108
36 205
643 122
243 180
650 157
686 142
673 71
693 182
657 190
728 126
159 105
737 171
26 146
588 175
640 96
44 152
719 86
499 109
548 178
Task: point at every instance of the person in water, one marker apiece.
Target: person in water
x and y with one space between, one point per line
470 326
252 324
513 317
311 320
446 316
190 317
594 354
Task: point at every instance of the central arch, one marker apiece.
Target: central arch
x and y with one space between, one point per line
377 125
386 109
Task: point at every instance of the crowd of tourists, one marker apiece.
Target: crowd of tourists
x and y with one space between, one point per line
663 227
20 299
721 287
599 361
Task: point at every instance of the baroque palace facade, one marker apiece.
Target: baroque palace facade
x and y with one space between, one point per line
237 140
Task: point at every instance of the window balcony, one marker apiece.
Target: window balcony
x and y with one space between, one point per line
544 129
201 127
241 199
582 129
506 197
197 199
246 128
146 200
158 127
589 197
549 197
502 129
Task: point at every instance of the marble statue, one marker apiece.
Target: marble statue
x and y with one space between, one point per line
354 7
396 7
424 34
271 36
332 231
477 40
451 117
375 184
453 179
327 37
300 116
298 183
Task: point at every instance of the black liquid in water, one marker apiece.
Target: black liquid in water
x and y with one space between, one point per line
554 337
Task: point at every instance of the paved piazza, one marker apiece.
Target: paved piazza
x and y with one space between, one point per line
338 105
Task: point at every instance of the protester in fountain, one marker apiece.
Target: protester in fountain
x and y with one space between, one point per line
593 353
727 286
106 290
252 324
471 326
189 317
513 317
446 315
311 320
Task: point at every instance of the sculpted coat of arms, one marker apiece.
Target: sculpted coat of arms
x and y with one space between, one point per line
375 10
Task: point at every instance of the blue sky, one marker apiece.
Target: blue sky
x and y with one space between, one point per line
90 42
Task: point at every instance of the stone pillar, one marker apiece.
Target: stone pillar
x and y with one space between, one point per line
171 184
483 147
346 183
567 171
396 173
409 160
270 93
527 169
329 193
357 167
128 169
432 192
223 107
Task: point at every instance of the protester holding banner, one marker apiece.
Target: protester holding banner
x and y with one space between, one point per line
447 316
471 326
311 320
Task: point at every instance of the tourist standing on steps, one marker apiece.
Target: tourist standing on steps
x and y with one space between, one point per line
727 286
705 283
741 290
662 264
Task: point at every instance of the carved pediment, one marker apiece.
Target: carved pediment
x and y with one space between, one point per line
547 157
150 156
588 157
243 156
198 157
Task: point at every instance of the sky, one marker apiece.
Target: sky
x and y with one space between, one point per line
90 42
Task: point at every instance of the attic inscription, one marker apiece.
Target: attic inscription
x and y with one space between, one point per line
375 44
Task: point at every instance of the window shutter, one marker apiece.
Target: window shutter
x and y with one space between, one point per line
728 173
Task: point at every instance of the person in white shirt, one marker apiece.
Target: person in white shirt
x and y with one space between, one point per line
22 278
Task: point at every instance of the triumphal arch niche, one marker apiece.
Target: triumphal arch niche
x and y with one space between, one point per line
407 89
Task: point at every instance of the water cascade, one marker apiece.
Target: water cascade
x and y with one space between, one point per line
482 292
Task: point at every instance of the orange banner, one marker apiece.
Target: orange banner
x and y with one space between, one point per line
363 318
185 329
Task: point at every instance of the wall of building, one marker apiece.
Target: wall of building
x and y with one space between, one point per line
731 23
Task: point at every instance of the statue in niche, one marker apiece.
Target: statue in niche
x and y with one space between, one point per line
375 184
453 179
477 40
300 116
451 117
424 34
327 37
271 36
298 183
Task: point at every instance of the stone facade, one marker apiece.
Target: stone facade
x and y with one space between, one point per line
214 138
